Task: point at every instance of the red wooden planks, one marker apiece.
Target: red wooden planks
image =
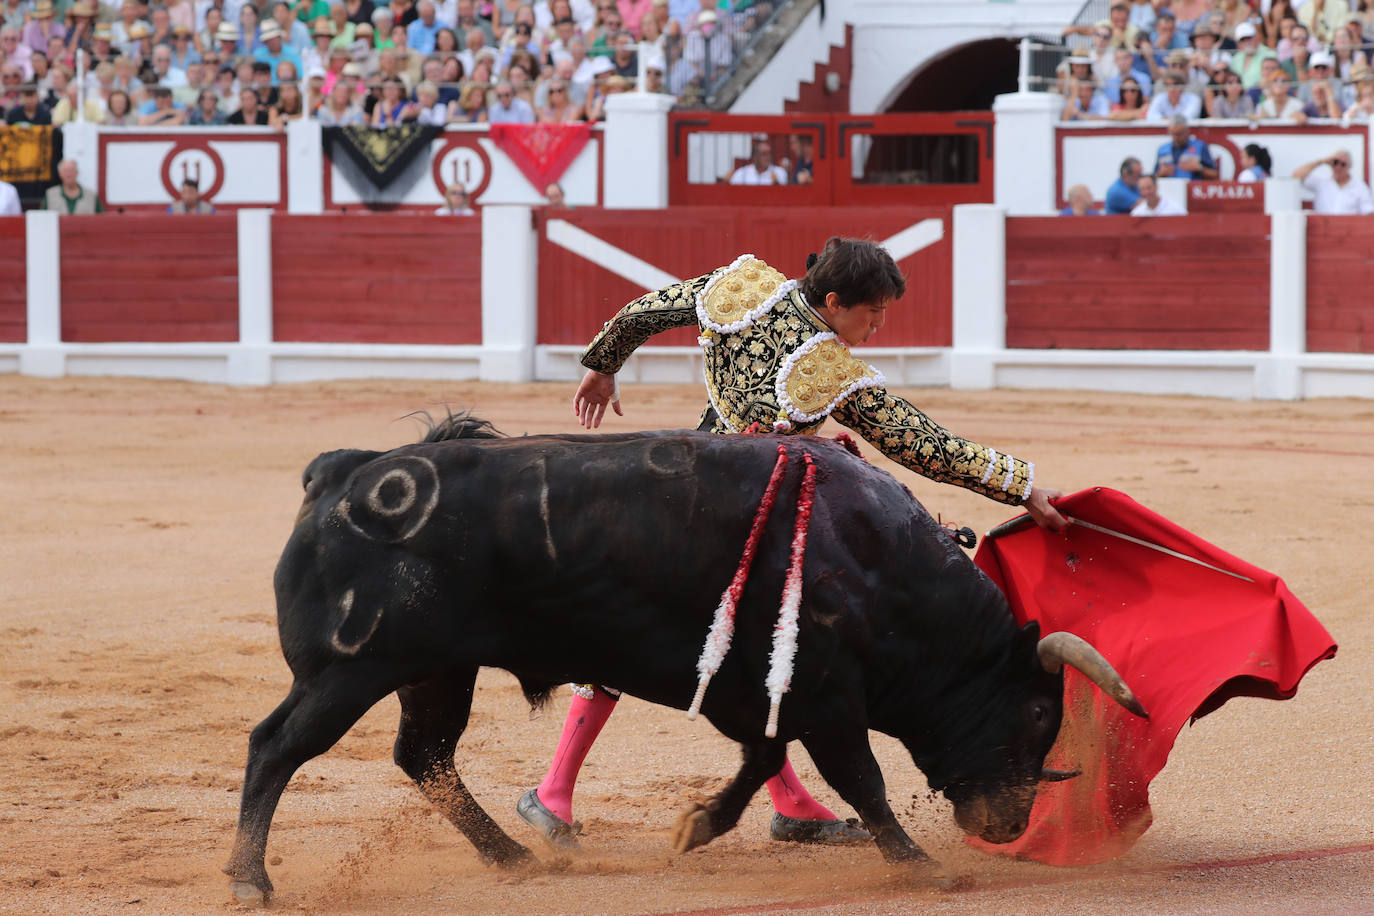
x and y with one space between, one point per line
1340 284
379 278
1194 283
13 288
149 277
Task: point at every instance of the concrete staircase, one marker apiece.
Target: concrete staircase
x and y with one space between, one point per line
793 79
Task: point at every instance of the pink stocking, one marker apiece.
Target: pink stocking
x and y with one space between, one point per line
584 722
790 798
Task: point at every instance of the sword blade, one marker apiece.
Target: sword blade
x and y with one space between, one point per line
1173 553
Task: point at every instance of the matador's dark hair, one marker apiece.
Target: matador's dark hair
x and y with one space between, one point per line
855 270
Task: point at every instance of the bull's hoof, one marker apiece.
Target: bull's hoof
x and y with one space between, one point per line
516 858
248 892
825 833
558 832
693 829
249 882
929 871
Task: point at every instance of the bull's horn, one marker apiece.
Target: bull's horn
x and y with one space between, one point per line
1048 775
1060 649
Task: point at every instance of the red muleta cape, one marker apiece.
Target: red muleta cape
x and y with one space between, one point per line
1186 636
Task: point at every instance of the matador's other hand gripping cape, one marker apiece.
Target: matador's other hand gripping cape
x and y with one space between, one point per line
1188 627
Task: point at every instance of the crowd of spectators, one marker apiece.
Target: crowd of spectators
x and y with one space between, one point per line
1188 61
347 62
1152 60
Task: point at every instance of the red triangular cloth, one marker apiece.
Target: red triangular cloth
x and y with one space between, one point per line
542 152
1186 637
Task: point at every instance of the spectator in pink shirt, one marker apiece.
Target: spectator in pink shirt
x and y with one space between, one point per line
632 11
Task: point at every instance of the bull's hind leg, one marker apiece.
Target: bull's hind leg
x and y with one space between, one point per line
433 716
701 824
313 717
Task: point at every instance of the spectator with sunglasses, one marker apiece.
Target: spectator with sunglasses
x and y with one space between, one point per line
1335 191
1134 104
1231 101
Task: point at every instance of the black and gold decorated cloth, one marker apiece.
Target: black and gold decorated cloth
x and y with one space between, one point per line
381 154
26 154
744 366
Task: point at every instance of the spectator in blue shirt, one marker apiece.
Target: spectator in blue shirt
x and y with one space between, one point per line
1122 195
421 33
273 51
1184 156
1086 103
1127 67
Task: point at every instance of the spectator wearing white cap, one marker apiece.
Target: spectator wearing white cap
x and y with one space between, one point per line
274 49
1319 69
1249 55
1334 188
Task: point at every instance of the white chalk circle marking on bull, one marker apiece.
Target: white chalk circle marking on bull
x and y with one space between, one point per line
376 517
349 644
408 488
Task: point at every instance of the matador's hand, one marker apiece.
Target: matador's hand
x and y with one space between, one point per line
593 394
1041 508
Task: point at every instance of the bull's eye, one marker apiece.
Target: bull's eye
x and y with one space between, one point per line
1039 713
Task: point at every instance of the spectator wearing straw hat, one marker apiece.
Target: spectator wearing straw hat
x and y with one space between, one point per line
1087 103
42 26
121 30
708 48
274 49
102 45
227 37
1361 111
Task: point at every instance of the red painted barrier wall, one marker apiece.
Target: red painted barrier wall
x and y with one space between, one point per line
150 278
1197 282
577 296
377 278
13 292
1340 284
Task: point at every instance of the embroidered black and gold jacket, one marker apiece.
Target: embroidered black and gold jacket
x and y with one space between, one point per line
771 360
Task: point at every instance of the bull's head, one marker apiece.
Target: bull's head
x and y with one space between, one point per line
996 785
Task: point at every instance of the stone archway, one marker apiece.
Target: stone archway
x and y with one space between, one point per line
966 77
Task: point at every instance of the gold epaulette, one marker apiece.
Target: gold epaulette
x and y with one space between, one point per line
734 298
817 377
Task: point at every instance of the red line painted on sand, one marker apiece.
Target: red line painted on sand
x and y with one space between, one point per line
1298 855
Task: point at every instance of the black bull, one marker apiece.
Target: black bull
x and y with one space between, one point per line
601 559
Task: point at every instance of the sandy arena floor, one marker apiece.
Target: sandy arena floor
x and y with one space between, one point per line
138 648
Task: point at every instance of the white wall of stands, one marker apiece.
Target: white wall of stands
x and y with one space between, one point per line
635 152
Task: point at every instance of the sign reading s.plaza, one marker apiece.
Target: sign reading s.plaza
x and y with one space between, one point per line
1219 196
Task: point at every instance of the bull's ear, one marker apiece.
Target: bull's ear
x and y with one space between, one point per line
1028 641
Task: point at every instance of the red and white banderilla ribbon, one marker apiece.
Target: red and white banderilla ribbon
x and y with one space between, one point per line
723 626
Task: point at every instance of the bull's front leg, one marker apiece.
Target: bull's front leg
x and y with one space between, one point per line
846 762
702 823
